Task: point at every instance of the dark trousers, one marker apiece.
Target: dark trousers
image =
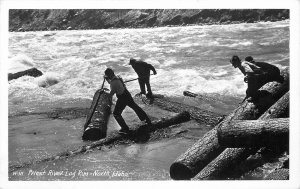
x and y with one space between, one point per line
145 81
255 82
126 100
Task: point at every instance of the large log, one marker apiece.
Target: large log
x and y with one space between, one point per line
207 148
201 116
95 126
113 137
30 72
279 174
254 133
232 157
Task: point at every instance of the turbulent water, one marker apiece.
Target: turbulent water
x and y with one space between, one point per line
194 58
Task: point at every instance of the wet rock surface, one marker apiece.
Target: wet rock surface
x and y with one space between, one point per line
34 72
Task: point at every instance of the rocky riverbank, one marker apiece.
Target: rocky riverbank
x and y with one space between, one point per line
80 19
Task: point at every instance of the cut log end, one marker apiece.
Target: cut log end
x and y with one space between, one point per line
179 171
280 174
93 134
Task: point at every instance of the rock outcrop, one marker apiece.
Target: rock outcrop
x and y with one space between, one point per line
30 72
79 19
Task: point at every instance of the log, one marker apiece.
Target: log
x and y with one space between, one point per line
141 131
207 148
113 137
279 174
30 72
95 126
232 157
254 133
202 97
201 116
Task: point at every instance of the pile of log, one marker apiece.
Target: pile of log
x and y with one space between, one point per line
240 134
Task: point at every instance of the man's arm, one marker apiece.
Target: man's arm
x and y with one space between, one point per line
152 68
112 88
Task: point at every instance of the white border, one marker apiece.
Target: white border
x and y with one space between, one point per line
293 5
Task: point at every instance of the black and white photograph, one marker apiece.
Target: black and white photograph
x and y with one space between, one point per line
150 93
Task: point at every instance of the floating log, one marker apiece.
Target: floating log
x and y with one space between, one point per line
202 97
113 137
231 157
30 72
254 133
207 148
95 126
201 116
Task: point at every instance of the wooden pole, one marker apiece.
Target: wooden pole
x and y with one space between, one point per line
254 133
207 148
232 157
96 124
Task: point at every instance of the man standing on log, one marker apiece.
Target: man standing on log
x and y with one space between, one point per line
118 87
256 74
143 71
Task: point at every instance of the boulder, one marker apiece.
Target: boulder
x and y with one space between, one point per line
34 72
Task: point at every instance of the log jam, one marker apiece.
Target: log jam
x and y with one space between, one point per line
207 148
232 157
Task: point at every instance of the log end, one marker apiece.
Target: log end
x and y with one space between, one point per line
280 174
179 171
93 134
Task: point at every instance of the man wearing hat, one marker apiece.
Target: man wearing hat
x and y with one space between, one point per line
118 87
143 71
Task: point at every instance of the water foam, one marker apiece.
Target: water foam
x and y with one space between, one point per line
19 63
186 58
47 80
174 82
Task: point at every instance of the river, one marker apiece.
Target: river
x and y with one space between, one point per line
194 58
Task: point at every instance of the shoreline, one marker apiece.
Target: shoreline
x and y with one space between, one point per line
83 19
169 26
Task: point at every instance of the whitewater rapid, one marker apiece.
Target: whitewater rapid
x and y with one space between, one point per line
194 58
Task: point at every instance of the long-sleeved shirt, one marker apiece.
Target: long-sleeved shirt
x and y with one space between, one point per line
142 68
249 68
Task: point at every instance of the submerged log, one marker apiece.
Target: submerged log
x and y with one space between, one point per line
201 116
95 126
254 133
232 157
141 131
207 148
113 137
30 72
